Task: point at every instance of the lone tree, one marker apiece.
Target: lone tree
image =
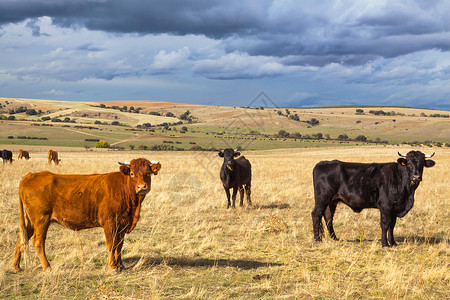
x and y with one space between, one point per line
131 146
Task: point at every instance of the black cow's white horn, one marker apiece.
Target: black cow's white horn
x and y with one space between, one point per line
124 163
429 156
401 154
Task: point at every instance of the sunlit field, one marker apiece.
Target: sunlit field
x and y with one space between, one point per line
188 245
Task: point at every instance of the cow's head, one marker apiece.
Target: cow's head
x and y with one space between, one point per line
414 161
228 157
140 170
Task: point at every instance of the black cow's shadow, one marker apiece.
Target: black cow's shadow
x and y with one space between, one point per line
199 262
272 206
419 240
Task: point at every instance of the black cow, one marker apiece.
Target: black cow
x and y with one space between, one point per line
236 174
388 187
7 155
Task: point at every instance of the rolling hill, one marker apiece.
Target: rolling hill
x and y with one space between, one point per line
179 126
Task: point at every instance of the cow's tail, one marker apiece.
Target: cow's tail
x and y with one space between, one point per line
23 231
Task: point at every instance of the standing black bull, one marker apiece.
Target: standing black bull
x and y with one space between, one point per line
388 187
236 174
6 155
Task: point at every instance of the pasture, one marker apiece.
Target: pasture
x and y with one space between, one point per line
188 245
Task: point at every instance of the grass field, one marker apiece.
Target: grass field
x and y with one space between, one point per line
187 245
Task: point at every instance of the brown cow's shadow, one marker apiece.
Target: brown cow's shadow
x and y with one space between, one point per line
419 240
272 206
200 262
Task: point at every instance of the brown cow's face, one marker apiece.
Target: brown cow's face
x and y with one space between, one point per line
140 171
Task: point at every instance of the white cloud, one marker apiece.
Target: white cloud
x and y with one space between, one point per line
54 92
171 60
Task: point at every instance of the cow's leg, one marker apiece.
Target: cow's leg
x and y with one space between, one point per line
18 251
110 235
233 196
227 191
114 241
391 230
385 222
248 191
118 251
322 200
329 214
316 214
40 234
241 195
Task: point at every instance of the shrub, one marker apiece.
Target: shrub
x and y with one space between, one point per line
343 137
169 114
361 138
282 133
102 144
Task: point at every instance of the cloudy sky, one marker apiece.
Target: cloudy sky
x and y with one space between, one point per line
300 53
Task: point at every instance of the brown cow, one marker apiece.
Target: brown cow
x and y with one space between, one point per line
53 156
23 154
111 201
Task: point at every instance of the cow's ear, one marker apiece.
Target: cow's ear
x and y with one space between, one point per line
220 153
155 166
125 169
236 154
429 163
402 161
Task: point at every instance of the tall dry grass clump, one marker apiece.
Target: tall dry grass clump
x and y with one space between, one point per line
188 245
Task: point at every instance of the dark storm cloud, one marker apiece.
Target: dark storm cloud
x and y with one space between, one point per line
211 18
314 34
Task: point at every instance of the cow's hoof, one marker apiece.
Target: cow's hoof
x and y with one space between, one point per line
48 270
17 269
386 246
394 244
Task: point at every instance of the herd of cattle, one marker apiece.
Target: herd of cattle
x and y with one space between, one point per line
113 201
7 155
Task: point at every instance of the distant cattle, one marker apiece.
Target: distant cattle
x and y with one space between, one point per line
112 201
23 154
236 174
7 156
389 187
53 156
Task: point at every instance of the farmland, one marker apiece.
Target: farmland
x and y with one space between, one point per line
174 126
188 245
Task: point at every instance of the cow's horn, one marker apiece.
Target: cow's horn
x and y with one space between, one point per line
429 156
401 154
154 162
124 163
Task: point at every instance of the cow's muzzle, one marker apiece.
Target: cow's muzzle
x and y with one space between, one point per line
142 188
416 179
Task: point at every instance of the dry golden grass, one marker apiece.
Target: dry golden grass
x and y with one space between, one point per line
187 245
